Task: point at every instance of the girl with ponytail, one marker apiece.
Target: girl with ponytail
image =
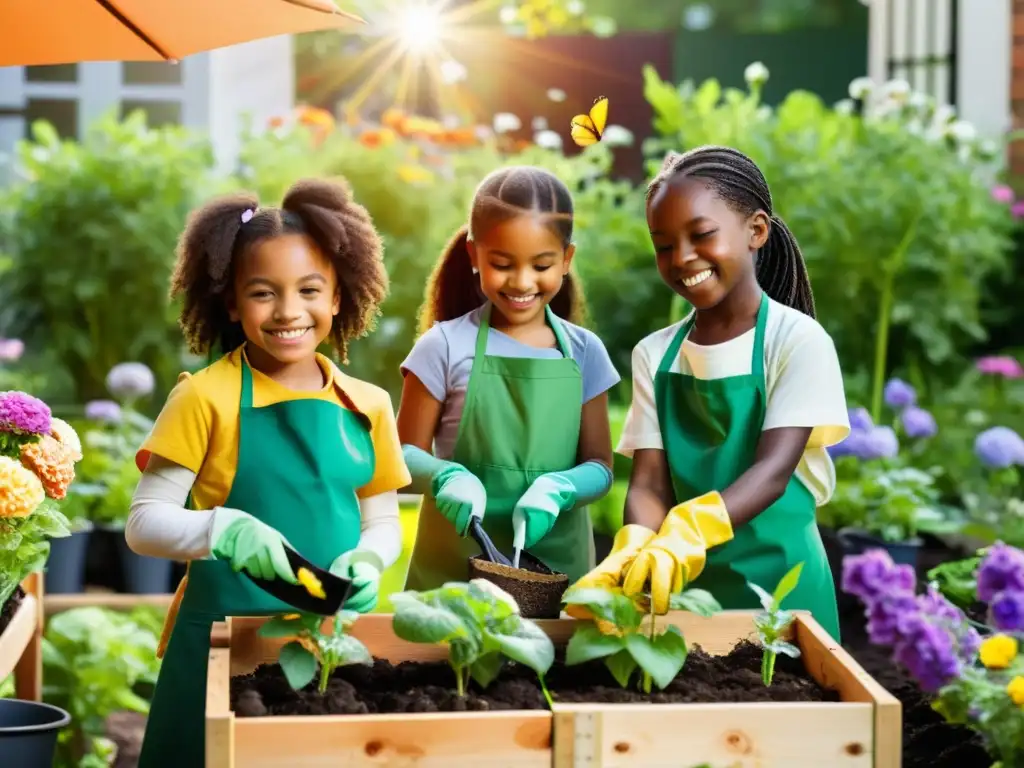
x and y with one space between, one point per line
504 412
733 407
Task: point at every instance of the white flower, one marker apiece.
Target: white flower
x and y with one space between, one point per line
451 122
508 14
617 136
844 106
548 140
556 94
575 7
483 132
130 380
987 149
504 122
962 131
897 90
919 100
944 115
539 123
452 72
861 88
698 17
756 73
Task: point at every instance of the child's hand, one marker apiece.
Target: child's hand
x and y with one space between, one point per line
459 496
250 545
538 508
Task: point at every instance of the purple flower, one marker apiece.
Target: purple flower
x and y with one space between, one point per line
20 412
999 447
103 411
1008 611
898 394
934 605
11 350
873 574
130 380
860 419
885 615
928 653
918 423
881 443
1002 193
1018 209
1001 570
1000 365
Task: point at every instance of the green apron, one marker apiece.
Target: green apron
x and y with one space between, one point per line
299 465
710 430
520 420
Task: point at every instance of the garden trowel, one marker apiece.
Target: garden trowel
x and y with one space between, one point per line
318 591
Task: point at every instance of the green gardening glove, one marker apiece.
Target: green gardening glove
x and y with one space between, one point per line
555 492
363 569
250 545
459 496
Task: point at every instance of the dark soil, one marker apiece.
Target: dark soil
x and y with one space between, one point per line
10 608
417 687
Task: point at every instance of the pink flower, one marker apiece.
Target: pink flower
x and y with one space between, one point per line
1000 365
11 350
1002 193
1018 209
23 413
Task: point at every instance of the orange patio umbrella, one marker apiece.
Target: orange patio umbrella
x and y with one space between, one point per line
69 31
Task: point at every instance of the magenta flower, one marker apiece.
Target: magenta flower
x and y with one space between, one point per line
1002 193
23 413
1000 365
1018 209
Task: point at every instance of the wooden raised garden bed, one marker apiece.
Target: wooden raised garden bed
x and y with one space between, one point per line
21 642
862 730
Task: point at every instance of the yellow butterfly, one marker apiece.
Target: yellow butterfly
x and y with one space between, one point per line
589 129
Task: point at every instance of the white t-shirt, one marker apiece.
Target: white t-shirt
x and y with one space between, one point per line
803 382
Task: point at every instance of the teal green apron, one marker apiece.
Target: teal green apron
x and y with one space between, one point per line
520 420
299 465
710 430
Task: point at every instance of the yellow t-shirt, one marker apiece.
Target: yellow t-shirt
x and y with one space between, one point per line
198 426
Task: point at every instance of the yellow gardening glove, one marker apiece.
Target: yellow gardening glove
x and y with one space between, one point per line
608 574
676 556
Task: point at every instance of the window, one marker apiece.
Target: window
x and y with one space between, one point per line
158 113
150 73
56 73
61 113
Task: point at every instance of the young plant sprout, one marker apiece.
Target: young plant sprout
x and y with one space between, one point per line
300 657
615 634
480 624
773 622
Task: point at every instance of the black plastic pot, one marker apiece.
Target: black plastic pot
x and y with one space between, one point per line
28 733
65 567
144 575
855 542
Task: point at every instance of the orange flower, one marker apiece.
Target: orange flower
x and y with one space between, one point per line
275 122
381 138
52 464
392 117
65 434
316 118
20 491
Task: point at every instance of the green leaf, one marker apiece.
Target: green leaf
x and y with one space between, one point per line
298 665
588 643
486 668
662 658
419 623
528 645
787 584
781 646
622 666
279 626
698 601
345 649
767 601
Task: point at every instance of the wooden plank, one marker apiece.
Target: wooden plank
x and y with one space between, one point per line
113 600
16 637
220 720
424 740
831 665
752 735
28 672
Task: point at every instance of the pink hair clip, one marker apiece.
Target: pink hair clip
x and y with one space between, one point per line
247 215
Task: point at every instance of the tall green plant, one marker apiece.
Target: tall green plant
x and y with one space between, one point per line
90 237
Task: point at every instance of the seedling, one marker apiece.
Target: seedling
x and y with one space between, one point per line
480 624
616 636
300 657
773 622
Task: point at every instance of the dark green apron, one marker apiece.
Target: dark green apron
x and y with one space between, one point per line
710 430
521 419
299 465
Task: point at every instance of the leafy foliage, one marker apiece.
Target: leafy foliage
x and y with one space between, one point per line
481 626
616 635
329 650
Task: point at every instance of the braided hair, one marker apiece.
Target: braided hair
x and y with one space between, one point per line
218 234
780 267
453 290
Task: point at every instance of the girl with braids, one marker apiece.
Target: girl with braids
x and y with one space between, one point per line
271 444
504 412
733 407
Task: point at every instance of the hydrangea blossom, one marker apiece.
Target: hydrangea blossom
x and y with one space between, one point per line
898 394
20 412
130 380
999 448
918 423
103 411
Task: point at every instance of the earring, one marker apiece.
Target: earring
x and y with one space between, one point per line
476 271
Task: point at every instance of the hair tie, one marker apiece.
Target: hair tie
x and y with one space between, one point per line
247 215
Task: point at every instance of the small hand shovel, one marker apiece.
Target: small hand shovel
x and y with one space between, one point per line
476 530
335 589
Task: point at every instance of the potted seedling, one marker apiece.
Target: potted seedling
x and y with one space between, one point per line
773 622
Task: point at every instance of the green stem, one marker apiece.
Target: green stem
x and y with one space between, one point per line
546 692
646 684
460 686
768 667
325 676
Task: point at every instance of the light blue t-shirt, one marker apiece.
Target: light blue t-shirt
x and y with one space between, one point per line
442 359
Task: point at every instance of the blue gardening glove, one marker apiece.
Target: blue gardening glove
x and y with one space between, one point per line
459 496
554 492
364 570
249 545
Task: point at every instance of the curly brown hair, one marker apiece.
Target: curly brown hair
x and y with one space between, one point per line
215 238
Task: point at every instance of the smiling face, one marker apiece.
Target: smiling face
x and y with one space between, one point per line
285 297
704 247
522 262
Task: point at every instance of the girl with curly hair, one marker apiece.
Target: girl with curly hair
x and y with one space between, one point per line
270 445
